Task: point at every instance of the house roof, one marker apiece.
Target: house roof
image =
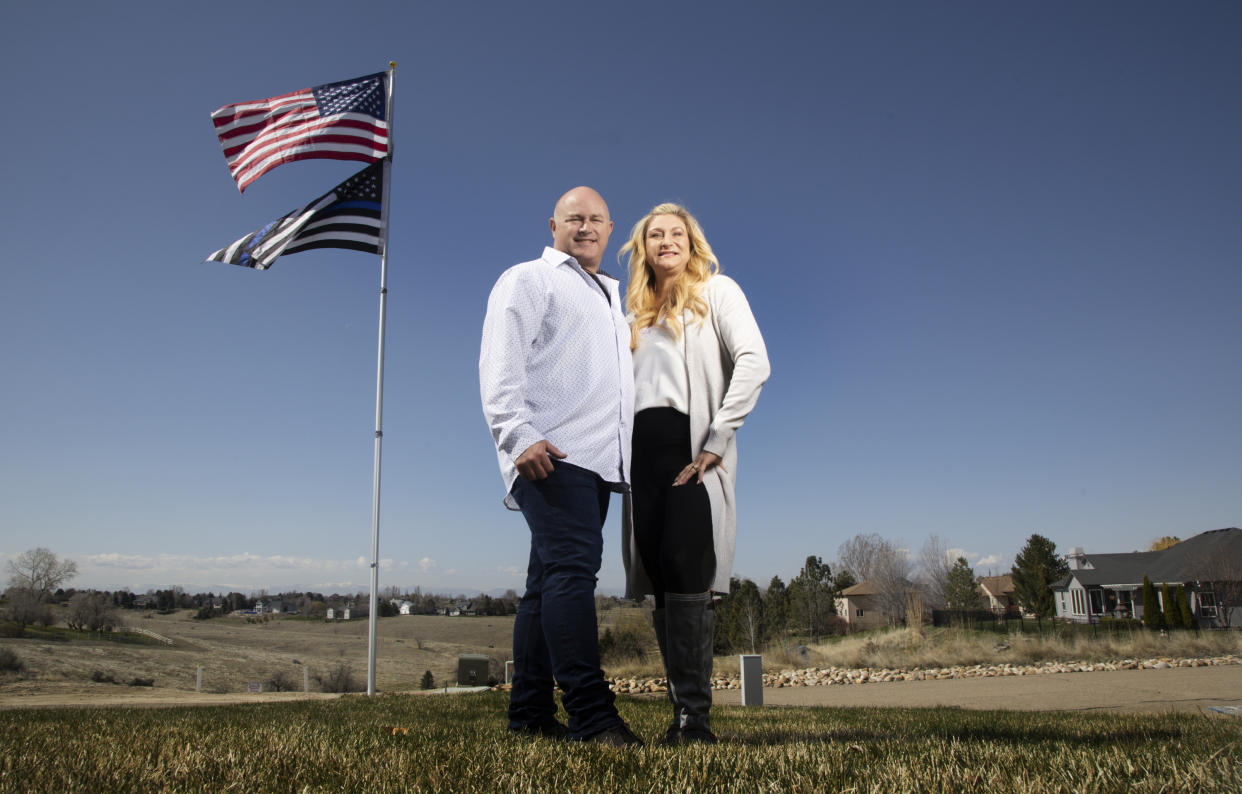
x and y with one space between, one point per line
997 585
1198 557
869 587
861 589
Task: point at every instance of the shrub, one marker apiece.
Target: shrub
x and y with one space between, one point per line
10 662
339 679
142 682
629 640
100 677
281 681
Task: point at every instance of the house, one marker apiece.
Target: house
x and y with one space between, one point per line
997 594
867 606
403 606
1208 566
462 608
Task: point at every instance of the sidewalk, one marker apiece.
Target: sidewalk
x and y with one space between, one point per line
1191 689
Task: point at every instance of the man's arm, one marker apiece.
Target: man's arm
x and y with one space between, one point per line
515 311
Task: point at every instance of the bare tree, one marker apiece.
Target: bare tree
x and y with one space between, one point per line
26 609
92 612
40 572
892 574
860 554
888 568
934 564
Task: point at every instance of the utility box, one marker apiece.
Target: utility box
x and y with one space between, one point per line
752 679
472 669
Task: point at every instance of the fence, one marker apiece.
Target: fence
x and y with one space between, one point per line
1013 623
148 633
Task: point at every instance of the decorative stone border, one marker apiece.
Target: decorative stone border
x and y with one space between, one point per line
830 676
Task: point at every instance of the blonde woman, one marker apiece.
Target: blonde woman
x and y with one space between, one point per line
699 363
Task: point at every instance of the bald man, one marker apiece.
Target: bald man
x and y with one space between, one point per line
557 385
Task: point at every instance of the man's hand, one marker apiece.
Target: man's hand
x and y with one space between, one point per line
536 462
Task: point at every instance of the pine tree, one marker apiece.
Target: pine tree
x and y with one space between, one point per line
1172 615
961 592
1152 618
810 592
776 607
1183 606
428 682
1036 568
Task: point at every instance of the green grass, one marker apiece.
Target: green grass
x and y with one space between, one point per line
457 743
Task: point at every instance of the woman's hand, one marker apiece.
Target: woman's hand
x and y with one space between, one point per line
702 463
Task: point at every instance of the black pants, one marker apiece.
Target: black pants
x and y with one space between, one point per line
672 525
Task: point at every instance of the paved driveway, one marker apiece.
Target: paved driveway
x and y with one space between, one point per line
1176 689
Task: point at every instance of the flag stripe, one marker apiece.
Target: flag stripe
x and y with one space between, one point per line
350 216
345 129
342 121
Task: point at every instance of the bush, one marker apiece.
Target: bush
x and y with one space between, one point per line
100 677
281 682
10 662
142 682
631 639
339 679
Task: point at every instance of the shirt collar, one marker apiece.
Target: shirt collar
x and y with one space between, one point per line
555 258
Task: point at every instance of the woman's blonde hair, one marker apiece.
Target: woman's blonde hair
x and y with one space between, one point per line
685 294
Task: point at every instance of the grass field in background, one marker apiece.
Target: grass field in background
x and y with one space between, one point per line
457 743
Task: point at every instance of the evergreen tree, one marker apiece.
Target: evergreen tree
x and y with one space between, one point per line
1172 615
1036 568
960 591
776 607
811 598
428 682
1152 618
1183 606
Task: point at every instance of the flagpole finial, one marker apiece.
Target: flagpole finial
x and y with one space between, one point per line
392 64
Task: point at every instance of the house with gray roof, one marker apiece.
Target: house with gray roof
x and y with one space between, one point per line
1208 566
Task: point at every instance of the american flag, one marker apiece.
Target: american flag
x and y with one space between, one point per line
348 216
340 121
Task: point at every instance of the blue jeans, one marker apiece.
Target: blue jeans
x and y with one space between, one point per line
555 633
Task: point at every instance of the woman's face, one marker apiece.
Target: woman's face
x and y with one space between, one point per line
668 247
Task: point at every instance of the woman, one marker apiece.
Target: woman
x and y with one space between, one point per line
699 363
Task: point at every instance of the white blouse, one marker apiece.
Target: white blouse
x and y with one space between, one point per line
660 378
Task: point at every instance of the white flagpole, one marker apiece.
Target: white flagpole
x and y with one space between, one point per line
379 396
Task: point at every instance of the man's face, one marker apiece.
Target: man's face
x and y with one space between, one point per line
581 227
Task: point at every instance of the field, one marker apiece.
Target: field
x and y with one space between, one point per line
418 742
456 743
235 652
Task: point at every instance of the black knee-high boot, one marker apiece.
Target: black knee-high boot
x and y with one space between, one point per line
689 622
661 632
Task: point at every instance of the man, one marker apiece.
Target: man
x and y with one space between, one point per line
558 393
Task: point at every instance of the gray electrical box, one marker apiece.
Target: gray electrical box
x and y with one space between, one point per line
472 669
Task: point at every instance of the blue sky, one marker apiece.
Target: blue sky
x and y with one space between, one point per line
994 250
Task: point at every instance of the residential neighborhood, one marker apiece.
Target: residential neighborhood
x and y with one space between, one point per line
1207 566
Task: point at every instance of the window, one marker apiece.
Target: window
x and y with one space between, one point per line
1080 601
859 611
1097 602
1207 605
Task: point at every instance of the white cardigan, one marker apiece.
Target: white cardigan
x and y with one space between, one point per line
727 364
